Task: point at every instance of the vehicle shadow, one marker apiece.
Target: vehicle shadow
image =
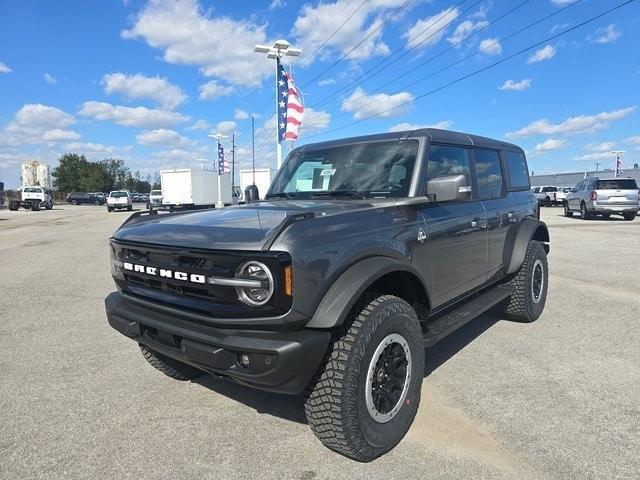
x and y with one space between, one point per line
291 407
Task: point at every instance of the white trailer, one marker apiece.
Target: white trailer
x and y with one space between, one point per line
263 181
194 188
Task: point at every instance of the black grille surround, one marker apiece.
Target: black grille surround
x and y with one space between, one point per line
203 299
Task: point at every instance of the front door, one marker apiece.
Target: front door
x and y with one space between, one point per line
454 254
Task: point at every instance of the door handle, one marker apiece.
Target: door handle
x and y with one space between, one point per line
474 224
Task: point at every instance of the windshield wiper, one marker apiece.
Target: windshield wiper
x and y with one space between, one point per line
341 193
281 195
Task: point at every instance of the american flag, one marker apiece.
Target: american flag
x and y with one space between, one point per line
223 164
290 108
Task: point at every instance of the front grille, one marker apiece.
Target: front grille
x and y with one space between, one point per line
204 298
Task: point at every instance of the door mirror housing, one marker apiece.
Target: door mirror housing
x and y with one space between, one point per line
448 189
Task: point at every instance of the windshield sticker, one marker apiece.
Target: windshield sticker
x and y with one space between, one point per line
327 172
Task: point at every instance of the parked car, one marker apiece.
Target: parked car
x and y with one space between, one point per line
119 200
547 195
154 199
604 196
367 251
101 195
76 198
562 193
33 198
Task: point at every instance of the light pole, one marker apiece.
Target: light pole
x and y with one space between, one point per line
218 137
279 49
618 168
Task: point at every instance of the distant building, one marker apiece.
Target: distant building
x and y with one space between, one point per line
36 173
572 178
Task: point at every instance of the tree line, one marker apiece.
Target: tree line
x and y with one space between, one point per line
77 174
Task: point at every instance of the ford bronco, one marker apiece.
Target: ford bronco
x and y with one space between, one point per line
365 251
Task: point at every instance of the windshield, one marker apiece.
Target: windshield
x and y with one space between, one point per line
118 194
617 184
32 190
155 192
381 169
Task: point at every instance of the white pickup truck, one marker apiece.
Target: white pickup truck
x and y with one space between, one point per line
32 198
547 195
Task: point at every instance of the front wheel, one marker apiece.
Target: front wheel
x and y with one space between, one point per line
584 213
129 208
365 396
567 212
529 296
629 216
169 366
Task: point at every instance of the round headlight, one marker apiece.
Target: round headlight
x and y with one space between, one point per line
255 296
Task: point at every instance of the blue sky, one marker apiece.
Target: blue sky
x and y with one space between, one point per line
146 81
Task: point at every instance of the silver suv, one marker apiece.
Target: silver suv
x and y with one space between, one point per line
604 196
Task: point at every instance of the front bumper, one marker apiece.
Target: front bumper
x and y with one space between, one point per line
280 361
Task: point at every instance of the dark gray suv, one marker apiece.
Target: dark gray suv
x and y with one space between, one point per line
366 251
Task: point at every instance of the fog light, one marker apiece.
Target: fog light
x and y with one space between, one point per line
243 360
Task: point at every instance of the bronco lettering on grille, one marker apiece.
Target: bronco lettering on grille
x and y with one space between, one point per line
154 271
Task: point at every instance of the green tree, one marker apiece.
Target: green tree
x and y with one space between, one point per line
95 178
117 172
68 173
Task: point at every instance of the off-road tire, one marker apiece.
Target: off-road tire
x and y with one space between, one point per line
169 366
521 306
567 212
629 216
335 399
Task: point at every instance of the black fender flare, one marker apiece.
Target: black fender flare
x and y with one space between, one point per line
350 285
518 239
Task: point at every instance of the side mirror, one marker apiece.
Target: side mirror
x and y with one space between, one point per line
451 188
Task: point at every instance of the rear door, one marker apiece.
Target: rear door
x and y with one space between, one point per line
454 257
617 192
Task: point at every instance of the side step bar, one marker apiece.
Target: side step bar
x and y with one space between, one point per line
447 323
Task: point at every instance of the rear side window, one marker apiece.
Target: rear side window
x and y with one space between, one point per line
489 171
617 184
550 189
518 171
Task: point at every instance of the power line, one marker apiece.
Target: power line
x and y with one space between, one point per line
310 56
476 72
453 64
415 67
367 74
369 35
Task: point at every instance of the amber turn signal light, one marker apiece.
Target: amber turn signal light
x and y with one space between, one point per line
288 281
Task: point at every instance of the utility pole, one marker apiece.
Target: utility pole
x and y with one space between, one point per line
597 165
279 49
219 137
233 161
253 149
618 165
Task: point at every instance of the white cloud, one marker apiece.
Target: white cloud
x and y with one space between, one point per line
430 30
276 4
600 147
490 46
559 26
633 140
379 104
96 148
188 35
545 53
131 116
225 127
549 145
562 3
161 137
239 114
325 82
605 35
37 123
199 125
400 127
594 156
4 68
465 29
314 120
578 124
311 27
138 86
516 86
50 78
213 89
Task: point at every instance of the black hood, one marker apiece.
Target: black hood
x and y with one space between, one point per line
244 227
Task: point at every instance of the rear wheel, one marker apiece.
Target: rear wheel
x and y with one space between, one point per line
584 213
529 296
567 212
364 397
629 216
130 207
169 366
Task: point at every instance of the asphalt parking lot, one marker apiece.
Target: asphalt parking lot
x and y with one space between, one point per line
558 398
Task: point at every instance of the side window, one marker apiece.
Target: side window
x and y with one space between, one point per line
579 186
489 171
451 163
518 171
